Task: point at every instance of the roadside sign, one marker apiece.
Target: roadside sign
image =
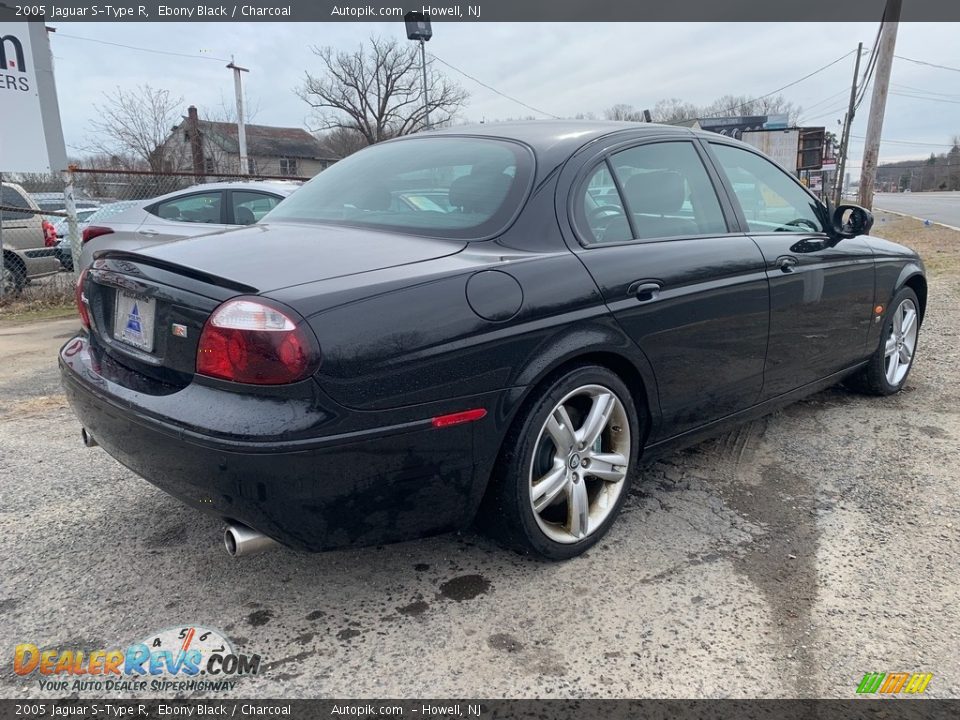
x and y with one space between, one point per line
780 145
32 138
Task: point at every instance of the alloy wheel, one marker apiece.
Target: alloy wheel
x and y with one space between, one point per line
901 342
580 463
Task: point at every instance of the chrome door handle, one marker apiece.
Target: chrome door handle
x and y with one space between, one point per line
644 291
148 233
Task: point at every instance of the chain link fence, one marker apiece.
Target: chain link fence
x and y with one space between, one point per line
46 219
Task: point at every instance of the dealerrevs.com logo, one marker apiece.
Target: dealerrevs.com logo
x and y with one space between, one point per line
176 659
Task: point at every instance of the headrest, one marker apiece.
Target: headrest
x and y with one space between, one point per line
459 193
375 197
244 216
479 192
659 192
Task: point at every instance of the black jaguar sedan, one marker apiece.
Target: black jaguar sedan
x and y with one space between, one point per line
373 362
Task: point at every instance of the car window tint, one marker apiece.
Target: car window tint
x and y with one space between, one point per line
603 214
441 186
772 201
667 191
198 208
249 206
11 198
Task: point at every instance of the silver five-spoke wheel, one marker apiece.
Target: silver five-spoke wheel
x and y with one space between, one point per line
580 463
901 343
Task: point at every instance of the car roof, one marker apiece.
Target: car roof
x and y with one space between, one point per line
555 140
280 187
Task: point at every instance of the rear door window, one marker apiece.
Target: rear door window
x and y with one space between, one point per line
667 191
10 198
604 217
249 206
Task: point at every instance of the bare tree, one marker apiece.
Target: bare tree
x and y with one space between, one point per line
674 110
621 111
341 142
743 105
376 91
136 123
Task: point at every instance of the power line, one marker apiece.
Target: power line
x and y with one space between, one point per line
871 64
928 64
493 89
825 101
906 142
142 49
923 97
899 86
807 118
778 90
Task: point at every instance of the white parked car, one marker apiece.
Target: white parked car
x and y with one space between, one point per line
196 210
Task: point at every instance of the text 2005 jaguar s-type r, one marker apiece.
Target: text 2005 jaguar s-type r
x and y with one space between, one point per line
491 323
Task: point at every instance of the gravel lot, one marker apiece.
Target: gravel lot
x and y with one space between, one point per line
784 559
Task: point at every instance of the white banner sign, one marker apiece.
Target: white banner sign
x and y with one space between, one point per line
31 139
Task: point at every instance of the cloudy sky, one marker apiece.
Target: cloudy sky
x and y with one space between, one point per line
559 68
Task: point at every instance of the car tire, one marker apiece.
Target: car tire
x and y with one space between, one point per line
13 275
557 485
888 368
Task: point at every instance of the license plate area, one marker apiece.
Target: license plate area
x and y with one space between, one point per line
134 319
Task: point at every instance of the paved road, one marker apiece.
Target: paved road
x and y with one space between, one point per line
941 207
784 559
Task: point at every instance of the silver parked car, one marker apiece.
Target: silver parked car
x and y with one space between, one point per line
25 252
196 210
96 216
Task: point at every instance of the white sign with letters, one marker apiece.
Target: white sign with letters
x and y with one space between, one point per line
31 138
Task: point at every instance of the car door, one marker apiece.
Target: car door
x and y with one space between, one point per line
683 283
821 291
196 213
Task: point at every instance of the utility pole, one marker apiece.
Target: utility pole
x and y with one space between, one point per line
423 66
847 122
419 28
241 126
878 101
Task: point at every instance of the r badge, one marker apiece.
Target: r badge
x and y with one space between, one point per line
178 330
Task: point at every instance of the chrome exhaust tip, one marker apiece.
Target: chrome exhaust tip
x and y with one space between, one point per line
241 541
87 438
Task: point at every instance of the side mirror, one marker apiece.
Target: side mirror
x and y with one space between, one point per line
851 220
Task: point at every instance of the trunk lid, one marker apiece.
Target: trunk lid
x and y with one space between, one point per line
148 307
278 255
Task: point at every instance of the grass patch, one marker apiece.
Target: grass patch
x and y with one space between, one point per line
939 246
46 298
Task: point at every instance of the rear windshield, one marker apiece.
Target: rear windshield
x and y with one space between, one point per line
465 188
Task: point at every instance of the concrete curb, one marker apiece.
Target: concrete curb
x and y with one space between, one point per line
914 217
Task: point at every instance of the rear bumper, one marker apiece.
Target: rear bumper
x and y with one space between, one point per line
39 262
349 485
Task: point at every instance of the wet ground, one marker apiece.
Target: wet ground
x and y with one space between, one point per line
787 558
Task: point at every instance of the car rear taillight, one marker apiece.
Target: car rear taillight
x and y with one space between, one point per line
82 301
49 234
92 231
249 341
